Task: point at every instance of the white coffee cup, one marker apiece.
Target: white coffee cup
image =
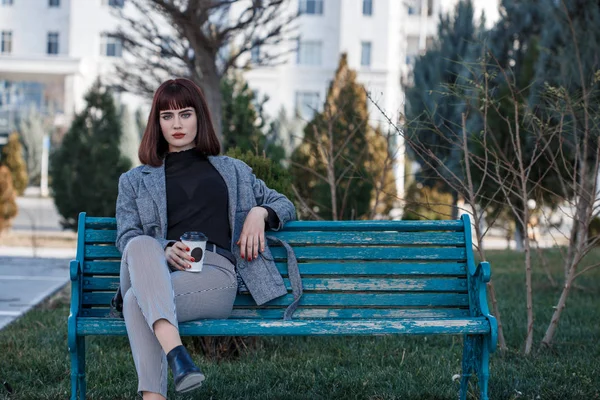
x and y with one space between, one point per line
196 242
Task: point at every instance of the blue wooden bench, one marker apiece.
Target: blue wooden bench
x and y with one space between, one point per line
359 278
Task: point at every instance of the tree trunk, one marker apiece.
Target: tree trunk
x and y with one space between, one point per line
571 248
519 236
212 91
528 282
454 204
583 217
332 191
206 75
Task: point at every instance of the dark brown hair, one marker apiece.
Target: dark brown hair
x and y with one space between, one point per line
176 94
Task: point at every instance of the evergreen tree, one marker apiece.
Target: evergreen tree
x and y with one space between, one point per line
380 170
514 49
8 204
570 63
85 169
244 121
12 158
337 157
435 101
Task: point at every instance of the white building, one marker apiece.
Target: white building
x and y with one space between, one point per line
51 52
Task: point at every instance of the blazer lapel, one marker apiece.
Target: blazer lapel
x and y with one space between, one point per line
229 175
154 179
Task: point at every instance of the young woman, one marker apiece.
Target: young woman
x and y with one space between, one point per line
184 185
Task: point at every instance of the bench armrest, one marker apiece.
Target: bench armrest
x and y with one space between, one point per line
76 273
74 270
483 271
478 299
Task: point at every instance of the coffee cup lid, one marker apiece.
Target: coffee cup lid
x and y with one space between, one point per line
194 236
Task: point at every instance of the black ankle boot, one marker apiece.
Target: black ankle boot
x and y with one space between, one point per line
186 374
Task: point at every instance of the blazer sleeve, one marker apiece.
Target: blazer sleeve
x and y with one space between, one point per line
129 224
283 207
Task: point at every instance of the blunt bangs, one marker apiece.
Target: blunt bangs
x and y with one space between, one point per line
175 97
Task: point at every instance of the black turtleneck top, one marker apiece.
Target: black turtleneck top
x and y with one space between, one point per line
197 199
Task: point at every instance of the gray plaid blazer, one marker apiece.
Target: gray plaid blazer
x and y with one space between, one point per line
142 210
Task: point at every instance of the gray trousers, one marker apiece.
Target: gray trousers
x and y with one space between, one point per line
152 291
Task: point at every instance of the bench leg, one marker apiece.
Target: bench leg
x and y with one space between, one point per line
468 364
74 369
483 367
78 368
81 367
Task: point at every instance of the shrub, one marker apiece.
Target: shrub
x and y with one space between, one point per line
272 173
12 157
427 203
8 205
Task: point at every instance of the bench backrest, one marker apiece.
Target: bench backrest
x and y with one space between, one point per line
350 269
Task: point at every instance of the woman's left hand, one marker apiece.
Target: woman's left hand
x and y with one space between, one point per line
253 233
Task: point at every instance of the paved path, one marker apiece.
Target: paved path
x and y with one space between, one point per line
36 213
26 281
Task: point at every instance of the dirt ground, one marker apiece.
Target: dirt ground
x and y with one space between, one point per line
62 239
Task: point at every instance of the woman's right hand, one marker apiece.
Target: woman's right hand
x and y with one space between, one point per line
178 257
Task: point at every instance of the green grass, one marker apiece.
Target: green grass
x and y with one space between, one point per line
35 360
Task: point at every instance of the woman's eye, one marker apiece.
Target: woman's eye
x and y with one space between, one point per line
165 117
186 115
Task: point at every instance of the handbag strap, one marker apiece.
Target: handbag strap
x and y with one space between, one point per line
294 276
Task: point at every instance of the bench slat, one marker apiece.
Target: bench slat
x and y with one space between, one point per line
451 326
333 238
329 313
402 226
328 268
100 223
332 299
333 284
372 253
331 253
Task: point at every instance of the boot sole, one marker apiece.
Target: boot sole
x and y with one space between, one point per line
190 382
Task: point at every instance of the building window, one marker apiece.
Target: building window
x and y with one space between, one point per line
6 44
52 42
307 104
309 53
111 45
114 3
368 7
53 3
7 2
365 54
312 7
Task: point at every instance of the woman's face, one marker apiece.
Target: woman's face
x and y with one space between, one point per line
179 128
